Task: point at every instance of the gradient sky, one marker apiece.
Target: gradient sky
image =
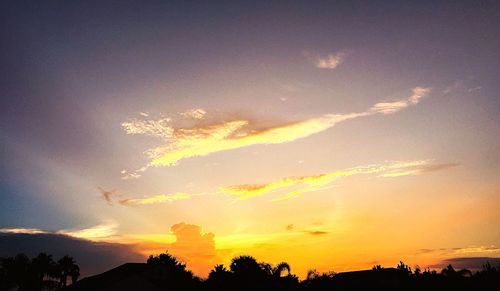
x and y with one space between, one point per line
333 136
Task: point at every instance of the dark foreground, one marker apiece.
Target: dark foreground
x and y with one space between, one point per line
245 273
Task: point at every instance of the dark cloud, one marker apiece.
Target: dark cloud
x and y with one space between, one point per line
107 195
92 257
425 251
317 232
471 263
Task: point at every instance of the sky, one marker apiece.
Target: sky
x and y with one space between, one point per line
331 135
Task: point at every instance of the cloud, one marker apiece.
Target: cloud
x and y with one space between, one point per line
317 232
474 89
330 61
321 181
92 257
194 247
290 187
156 128
299 192
22 230
164 198
395 106
463 250
107 195
420 170
182 143
98 232
476 249
194 113
94 233
471 263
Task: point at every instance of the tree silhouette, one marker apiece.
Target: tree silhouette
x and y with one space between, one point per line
42 265
68 267
36 274
219 278
245 273
278 270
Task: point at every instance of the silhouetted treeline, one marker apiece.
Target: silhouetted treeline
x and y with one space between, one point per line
39 273
245 273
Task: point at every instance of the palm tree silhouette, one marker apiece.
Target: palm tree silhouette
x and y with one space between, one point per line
245 265
42 266
280 268
67 267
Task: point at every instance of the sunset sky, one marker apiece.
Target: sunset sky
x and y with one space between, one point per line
333 136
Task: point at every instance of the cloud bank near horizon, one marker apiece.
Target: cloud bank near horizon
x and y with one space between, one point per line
92 257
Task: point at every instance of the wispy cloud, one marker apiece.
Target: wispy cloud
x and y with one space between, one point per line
290 187
107 195
395 106
181 143
197 113
157 128
317 232
163 198
330 61
470 263
23 230
323 181
462 250
420 170
112 196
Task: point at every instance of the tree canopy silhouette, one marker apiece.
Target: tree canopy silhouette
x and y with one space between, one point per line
166 272
39 273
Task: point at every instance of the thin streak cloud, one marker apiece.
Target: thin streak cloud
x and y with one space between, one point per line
323 181
296 186
420 170
163 198
182 143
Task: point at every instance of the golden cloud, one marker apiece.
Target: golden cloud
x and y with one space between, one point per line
182 143
191 245
290 187
392 107
95 233
323 181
